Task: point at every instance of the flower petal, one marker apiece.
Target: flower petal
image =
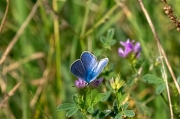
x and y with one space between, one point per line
121 52
96 82
80 83
137 47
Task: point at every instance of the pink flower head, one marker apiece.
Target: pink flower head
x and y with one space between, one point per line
80 83
96 82
129 47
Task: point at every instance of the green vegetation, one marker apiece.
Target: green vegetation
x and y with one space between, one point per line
40 39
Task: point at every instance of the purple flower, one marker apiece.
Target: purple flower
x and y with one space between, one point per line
96 82
137 48
129 47
80 83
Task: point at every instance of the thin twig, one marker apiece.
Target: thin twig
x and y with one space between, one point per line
5 15
39 106
40 87
15 65
149 99
160 46
19 32
11 92
161 53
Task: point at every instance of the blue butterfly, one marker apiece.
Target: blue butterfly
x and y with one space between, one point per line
87 67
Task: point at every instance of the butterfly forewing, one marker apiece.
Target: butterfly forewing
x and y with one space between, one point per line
97 69
89 61
78 70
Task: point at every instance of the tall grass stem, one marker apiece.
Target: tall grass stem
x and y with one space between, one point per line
161 52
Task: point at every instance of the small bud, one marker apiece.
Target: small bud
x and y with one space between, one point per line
169 7
165 8
173 17
117 83
176 23
167 11
170 15
178 29
112 84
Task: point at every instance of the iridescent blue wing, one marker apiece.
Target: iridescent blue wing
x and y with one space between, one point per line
78 69
97 69
89 61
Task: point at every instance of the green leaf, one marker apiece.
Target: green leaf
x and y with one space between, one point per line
100 97
89 98
71 111
110 34
118 116
149 78
90 109
95 113
115 102
115 106
113 42
129 113
106 96
75 98
65 106
160 88
125 106
123 97
103 40
104 113
119 95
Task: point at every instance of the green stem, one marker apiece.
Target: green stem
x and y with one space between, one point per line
132 67
164 98
59 85
167 103
101 21
85 23
84 116
57 47
86 17
117 100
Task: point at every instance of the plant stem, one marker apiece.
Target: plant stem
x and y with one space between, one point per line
102 20
161 50
85 23
19 33
5 15
162 53
57 46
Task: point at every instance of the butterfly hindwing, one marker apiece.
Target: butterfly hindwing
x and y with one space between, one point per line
78 69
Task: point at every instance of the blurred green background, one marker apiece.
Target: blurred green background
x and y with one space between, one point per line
36 70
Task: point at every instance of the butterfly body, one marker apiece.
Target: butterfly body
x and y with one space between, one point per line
87 67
